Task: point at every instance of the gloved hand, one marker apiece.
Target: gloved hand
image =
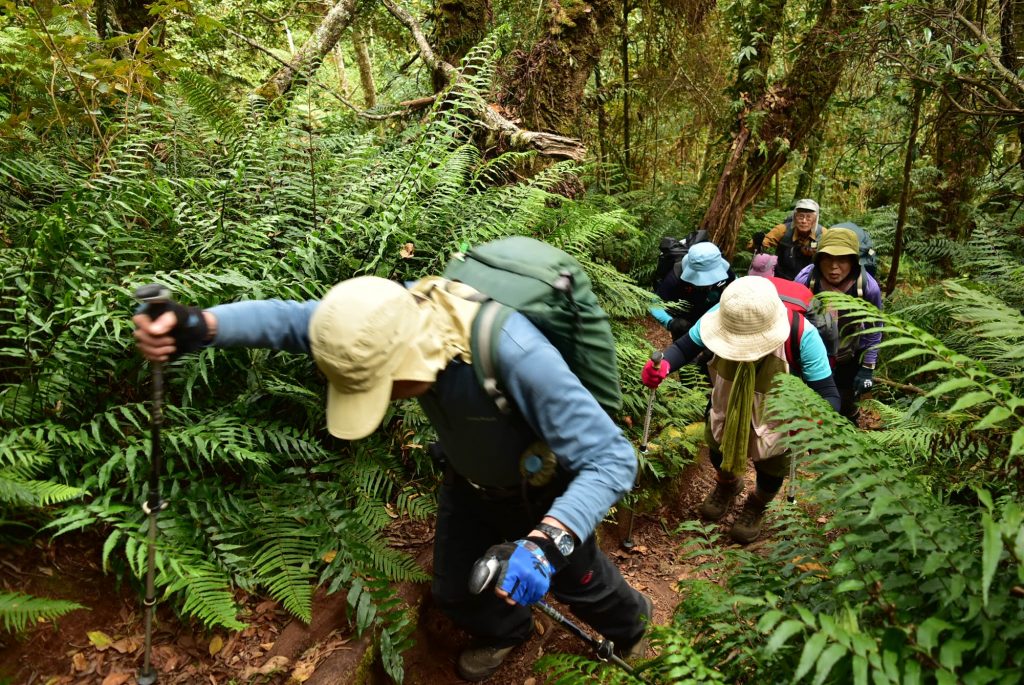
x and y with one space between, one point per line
652 377
862 382
190 330
758 241
523 570
678 327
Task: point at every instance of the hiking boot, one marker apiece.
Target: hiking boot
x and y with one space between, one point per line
747 527
720 499
480 663
639 648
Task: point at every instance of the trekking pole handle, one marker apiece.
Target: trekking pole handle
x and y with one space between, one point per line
485 572
154 299
656 358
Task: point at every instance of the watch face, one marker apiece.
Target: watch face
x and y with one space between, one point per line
564 544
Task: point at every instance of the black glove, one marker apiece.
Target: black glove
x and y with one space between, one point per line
678 327
862 382
758 241
189 333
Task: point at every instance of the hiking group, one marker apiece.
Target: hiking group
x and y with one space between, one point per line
513 362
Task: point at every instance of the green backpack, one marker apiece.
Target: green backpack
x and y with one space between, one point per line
551 289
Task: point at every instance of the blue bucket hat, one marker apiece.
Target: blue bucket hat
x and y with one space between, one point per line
704 265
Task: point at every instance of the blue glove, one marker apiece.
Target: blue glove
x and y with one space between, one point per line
524 572
862 381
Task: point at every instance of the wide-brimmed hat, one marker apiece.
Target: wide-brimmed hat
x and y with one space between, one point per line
807 204
838 242
750 321
363 336
704 265
763 265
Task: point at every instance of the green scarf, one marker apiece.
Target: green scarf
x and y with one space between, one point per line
738 411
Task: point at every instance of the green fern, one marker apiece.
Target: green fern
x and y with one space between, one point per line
18 611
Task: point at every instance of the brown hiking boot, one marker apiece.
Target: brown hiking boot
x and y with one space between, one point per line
747 527
720 499
480 663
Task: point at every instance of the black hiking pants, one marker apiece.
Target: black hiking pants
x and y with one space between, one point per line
469 521
844 373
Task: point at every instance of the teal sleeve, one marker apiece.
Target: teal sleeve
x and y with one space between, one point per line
695 328
813 357
660 315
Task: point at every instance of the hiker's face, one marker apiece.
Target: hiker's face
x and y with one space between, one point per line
834 269
804 221
401 390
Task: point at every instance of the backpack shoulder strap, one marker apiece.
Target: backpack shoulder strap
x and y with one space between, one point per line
483 345
796 334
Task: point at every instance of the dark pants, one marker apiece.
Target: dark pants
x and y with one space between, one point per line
770 473
843 373
469 522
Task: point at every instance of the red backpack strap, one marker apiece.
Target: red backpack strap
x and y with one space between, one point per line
796 334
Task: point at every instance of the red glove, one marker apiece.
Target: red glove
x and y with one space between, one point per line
652 377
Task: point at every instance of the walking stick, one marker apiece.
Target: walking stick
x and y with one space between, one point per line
656 358
154 299
485 572
791 495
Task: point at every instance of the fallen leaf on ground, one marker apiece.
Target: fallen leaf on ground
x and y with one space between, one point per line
303 671
126 644
116 678
99 639
79 662
274 663
216 644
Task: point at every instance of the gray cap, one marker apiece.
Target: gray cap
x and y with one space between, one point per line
808 204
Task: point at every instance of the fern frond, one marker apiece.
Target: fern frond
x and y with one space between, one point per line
18 611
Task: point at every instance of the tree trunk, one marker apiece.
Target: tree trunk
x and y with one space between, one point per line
133 15
365 68
545 87
311 54
602 128
339 65
626 99
805 184
901 216
1011 43
458 26
785 116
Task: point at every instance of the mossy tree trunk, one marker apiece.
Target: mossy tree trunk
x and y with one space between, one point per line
781 119
545 87
458 26
365 67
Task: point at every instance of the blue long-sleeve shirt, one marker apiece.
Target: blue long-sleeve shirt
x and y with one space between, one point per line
587 443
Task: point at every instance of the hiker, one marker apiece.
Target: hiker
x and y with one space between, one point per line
749 333
376 341
837 268
794 240
693 289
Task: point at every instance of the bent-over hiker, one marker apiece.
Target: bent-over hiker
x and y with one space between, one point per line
752 336
376 341
703 275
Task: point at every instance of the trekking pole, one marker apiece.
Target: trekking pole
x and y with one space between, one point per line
656 358
154 299
791 495
485 572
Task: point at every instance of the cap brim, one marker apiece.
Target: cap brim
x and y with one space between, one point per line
741 348
709 277
351 416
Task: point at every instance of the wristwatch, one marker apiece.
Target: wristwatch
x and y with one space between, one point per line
562 538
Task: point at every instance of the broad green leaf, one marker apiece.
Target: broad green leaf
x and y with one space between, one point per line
995 416
1017 445
951 653
828 659
951 384
969 400
991 550
786 630
812 649
929 630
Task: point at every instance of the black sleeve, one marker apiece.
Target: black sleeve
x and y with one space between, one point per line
683 351
826 387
